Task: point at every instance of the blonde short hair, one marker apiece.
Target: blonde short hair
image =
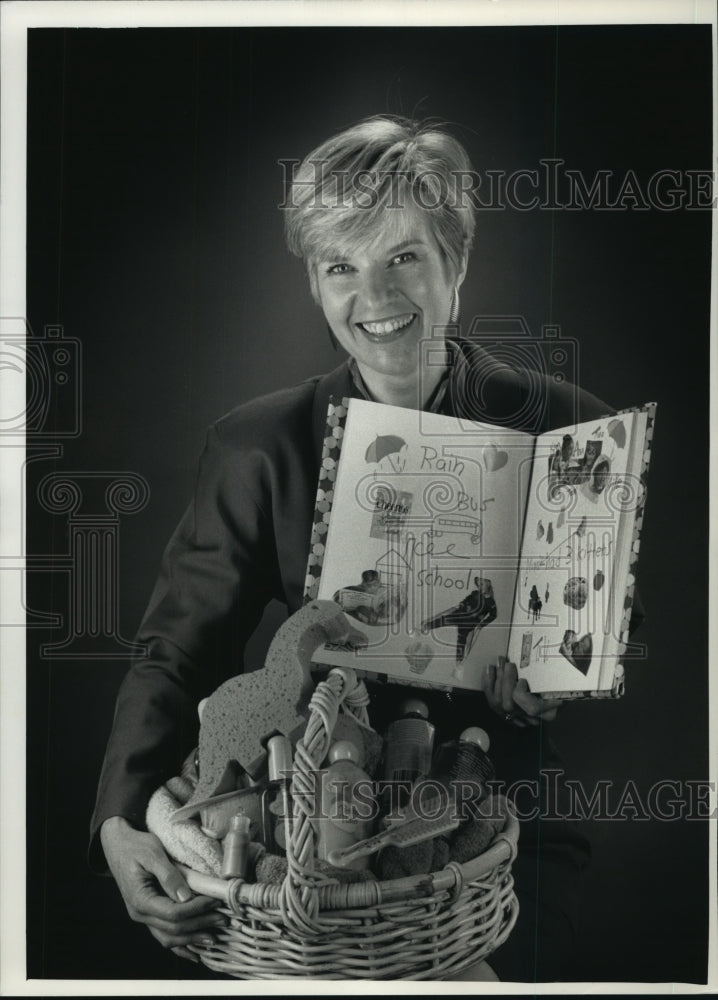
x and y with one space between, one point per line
341 191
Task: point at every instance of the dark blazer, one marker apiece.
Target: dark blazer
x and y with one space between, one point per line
243 541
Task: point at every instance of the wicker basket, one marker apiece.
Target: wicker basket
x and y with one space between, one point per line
419 927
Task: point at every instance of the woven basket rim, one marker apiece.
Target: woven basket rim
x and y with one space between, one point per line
501 850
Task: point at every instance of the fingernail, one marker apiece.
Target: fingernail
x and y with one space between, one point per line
184 895
206 940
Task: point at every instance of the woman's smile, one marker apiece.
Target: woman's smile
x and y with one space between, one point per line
385 330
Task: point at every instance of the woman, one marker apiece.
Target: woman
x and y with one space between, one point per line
377 213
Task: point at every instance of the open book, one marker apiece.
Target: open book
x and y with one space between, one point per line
451 543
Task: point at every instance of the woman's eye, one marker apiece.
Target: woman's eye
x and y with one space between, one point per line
337 269
402 258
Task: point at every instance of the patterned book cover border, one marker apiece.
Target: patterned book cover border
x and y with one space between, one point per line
331 449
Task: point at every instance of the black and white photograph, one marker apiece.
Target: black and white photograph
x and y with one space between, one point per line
355 436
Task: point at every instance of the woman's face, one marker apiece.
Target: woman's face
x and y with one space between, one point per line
382 300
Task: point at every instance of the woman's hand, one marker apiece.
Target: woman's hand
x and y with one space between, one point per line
510 697
155 891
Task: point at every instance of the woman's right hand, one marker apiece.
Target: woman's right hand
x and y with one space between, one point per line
510 697
155 891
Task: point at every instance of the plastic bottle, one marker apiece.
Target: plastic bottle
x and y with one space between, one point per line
463 768
347 804
275 798
409 744
235 848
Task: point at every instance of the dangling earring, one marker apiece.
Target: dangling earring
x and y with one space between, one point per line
454 314
332 338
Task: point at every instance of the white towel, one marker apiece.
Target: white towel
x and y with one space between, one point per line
185 841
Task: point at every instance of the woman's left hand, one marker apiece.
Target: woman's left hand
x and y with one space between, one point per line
510 697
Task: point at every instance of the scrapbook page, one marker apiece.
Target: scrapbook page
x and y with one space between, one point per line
451 543
579 553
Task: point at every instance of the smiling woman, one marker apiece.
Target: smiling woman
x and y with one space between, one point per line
156 162
386 271
380 216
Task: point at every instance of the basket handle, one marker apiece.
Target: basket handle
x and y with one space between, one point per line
299 898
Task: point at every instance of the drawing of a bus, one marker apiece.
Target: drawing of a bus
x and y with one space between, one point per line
446 524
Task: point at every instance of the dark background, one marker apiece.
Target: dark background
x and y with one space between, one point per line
154 238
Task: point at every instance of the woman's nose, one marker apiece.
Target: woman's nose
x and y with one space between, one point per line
376 291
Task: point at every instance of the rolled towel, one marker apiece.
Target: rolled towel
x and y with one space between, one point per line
272 869
416 859
397 862
474 836
184 842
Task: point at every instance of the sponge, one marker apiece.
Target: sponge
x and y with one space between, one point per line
243 711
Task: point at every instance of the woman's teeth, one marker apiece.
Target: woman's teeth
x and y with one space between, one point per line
386 326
